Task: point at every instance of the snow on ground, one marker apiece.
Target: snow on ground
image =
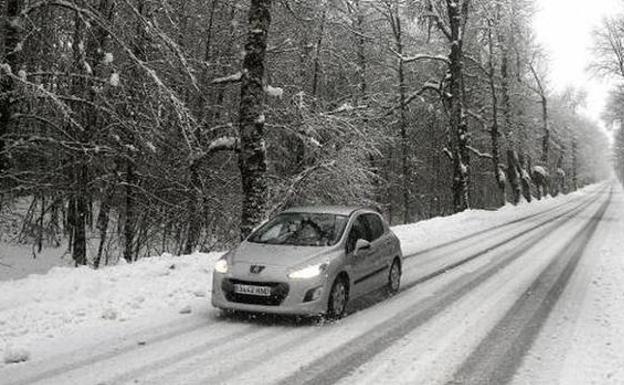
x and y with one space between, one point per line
19 261
45 306
583 340
66 302
424 234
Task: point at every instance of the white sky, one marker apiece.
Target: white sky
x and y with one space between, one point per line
564 28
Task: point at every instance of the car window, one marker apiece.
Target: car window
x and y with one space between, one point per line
301 229
359 230
375 225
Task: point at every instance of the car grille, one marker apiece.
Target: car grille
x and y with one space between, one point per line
279 291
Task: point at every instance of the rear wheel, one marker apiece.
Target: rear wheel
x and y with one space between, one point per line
338 299
394 277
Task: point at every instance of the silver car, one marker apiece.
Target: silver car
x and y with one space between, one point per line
309 261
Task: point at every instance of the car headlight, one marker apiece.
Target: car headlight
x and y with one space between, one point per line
309 271
221 266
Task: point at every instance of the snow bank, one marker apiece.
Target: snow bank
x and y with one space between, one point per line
64 299
424 234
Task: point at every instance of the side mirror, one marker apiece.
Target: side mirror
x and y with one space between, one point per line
360 245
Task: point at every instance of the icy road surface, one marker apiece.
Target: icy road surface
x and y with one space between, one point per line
526 295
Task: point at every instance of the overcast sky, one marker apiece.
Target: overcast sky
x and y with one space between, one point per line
564 28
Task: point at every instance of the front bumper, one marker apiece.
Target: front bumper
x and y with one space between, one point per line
288 295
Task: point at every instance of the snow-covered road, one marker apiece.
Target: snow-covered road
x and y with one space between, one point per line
525 295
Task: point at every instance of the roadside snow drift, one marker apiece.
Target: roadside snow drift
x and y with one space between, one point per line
66 299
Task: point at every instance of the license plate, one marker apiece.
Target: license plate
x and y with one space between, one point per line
252 290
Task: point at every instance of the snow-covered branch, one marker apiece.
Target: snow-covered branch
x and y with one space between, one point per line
346 107
224 143
478 153
420 57
428 86
234 78
475 115
298 180
448 153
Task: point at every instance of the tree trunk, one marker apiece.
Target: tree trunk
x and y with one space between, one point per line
494 129
194 212
252 157
141 50
79 251
513 175
458 127
40 224
361 49
130 214
102 223
574 163
80 172
546 128
96 49
526 178
12 57
317 56
395 20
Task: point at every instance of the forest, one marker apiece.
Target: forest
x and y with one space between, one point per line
137 127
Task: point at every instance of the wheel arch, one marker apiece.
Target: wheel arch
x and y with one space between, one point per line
344 275
398 259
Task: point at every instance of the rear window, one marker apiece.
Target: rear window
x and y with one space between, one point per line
301 229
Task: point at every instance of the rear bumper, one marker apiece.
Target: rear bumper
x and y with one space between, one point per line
293 303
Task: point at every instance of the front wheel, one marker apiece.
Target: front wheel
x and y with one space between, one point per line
338 299
394 277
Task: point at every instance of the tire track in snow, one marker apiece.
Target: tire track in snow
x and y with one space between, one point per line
499 355
58 371
271 346
341 361
230 344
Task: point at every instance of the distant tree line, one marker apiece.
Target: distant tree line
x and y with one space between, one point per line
137 127
608 62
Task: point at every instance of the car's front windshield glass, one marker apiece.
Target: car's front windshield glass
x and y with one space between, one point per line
301 229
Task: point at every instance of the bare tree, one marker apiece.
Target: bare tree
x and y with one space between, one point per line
252 157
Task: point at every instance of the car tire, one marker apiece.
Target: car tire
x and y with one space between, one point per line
338 299
394 277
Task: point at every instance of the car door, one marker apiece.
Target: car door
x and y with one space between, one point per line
379 259
360 263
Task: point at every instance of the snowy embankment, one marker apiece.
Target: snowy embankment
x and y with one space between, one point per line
66 303
65 300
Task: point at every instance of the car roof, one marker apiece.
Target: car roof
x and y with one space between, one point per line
338 210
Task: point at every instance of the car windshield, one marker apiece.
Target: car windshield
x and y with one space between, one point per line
301 229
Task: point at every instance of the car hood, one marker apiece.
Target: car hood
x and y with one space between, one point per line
277 255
